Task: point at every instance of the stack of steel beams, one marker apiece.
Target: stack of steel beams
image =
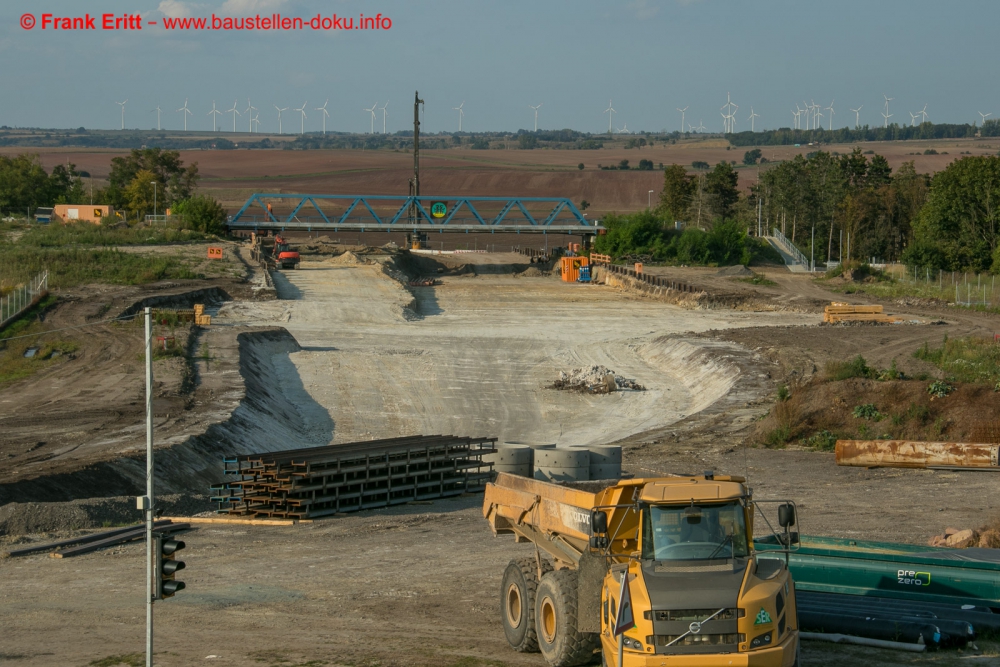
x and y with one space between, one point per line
319 481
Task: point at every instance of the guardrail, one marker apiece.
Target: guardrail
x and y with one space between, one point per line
23 298
790 247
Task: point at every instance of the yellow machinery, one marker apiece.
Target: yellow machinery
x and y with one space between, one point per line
699 595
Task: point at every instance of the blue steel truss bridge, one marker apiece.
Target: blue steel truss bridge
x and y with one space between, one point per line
388 213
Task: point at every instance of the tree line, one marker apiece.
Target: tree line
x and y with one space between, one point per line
894 132
140 183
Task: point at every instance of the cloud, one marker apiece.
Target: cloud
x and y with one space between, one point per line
177 8
643 9
248 7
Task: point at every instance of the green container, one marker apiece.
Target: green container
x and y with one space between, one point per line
890 570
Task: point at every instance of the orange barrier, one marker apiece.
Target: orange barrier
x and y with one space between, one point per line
214 253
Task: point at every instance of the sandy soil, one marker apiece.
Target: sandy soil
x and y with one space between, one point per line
417 585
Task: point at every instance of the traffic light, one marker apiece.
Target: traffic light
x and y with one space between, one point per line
166 549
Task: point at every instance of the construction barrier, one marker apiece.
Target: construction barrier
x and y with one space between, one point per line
909 454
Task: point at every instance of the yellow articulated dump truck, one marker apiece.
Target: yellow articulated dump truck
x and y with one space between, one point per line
698 594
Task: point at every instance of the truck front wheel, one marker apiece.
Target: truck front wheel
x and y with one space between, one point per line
517 603
561 644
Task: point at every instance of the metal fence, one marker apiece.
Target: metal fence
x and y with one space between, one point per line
24 297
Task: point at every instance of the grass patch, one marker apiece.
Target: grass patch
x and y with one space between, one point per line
71 266
972 359
128 659
58 235
858 368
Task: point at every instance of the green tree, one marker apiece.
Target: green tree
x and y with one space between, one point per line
720 184
580 166
174 181
675 198
139 195
750 157
202 213
623 164
527 141
959 227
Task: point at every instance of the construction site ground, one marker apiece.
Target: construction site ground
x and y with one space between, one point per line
367 357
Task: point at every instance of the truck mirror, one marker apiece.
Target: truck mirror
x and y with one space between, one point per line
598 522
786 515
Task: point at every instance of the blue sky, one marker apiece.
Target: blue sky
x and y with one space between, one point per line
648 56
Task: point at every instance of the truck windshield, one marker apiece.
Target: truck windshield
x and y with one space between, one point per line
694 533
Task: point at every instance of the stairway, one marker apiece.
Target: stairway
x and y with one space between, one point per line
795 261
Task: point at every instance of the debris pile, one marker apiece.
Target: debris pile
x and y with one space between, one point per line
987 538
595 380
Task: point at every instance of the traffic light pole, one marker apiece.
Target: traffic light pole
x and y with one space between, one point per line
150 542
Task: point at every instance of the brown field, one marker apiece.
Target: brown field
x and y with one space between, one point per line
231 176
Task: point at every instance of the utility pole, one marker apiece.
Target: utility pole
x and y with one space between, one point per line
147 502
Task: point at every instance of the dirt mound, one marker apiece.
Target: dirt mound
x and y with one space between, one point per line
347 258
595 380
735 271
531 272
25 518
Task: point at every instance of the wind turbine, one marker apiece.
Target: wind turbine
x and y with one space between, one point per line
157 110
186 112
536 114
384 114
302 120
279 116
985 116
235 114
326 114
857 117
253 120
886 114
752 116
461 114
830 109
250 109
795 118
682 116
214 113
701 127
611 112
372 112
923 112
123 111
913 118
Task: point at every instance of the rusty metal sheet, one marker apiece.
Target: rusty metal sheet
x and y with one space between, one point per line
914 454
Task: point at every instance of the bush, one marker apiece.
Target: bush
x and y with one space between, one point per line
868 412
939 389
855 368
202 214
972 359
824 441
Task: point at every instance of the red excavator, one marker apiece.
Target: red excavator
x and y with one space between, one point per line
282 255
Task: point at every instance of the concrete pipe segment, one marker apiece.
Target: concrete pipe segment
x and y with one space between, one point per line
511 458
605 460
562 465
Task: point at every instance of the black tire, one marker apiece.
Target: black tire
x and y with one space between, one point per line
560 643
517 603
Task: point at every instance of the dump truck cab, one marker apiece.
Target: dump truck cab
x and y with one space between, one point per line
699 595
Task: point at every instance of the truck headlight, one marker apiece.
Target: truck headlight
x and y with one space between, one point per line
761 640
633 644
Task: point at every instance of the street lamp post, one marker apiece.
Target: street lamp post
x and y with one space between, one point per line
649 199
154 199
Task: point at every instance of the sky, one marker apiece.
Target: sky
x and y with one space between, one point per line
647 57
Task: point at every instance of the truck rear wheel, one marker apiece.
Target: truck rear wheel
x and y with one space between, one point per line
561 644
517 603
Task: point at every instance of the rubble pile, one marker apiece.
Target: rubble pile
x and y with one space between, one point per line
595 380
